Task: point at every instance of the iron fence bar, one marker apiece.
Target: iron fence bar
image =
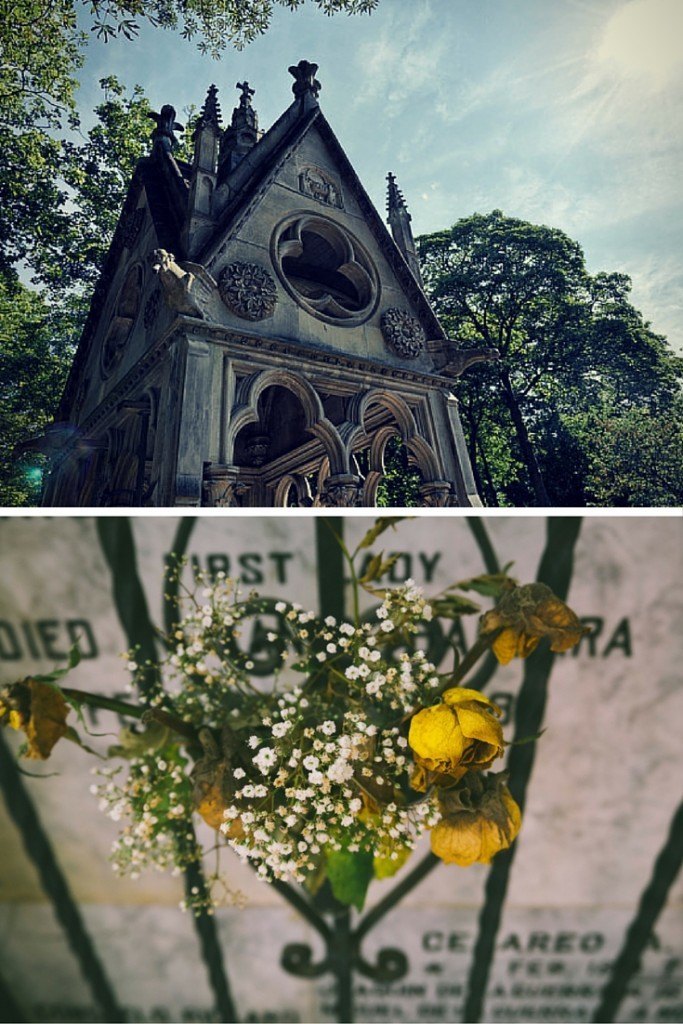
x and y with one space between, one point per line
10 1011
303 907
118 545
329 530
374 916
555 569
666 868
171 587
207 934
481 535
22 811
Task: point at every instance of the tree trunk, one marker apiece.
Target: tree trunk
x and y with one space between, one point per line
492 492
527 452
472 446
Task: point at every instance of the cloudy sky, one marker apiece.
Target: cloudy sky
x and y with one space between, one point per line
561 112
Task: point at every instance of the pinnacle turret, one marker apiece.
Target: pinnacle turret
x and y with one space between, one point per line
395 200
242 133
210 115
399 222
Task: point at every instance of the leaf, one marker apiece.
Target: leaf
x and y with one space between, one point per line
372 571
453 606
381 525
135 744
488 584
73 659
386 866
350 875
526 739
72 735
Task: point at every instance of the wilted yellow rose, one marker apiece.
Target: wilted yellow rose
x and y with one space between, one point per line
39 710
477 834
214 785
525 615
451 738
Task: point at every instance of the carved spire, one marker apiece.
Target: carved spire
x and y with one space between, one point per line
306 86
207 134
399 222
210 116
241 135
395 200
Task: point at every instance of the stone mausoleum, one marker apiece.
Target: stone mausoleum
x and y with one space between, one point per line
258 337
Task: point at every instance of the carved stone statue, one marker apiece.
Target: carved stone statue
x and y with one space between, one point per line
182 285
166 125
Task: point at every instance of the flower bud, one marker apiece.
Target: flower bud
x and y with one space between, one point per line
476 833
526 614
40 710
451 738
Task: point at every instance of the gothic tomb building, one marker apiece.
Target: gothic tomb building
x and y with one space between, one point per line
258 337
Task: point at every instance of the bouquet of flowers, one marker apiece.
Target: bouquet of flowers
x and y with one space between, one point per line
356 747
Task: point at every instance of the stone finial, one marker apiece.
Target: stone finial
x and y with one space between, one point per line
210 115
395 200
242 133
166 124
304 79
247 93
244 116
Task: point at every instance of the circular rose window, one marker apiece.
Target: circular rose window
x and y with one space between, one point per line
325 269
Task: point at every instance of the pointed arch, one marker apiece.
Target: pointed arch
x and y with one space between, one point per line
316 423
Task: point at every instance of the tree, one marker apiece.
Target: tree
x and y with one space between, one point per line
636 458
567 340
39 330
41 52
36 349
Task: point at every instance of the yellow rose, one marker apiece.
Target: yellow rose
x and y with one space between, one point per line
525 615
475 835
451 738
39 710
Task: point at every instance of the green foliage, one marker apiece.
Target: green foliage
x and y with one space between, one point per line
350 875
215 26
636 458
569 343
36 348
95 172
62 232
400 483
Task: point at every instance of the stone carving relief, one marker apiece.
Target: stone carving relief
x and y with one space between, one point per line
121 325
185 285
151 309
403 333
132 227
340 491
248 290
319 185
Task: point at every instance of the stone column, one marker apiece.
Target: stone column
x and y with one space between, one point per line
222 488
341 491
436 493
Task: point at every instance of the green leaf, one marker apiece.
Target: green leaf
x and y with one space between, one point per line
453 606
381 525
488 584
372 570
350 875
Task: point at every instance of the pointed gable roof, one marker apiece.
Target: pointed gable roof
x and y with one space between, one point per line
260 166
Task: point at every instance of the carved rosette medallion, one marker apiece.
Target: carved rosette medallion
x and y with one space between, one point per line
403 333
248 290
